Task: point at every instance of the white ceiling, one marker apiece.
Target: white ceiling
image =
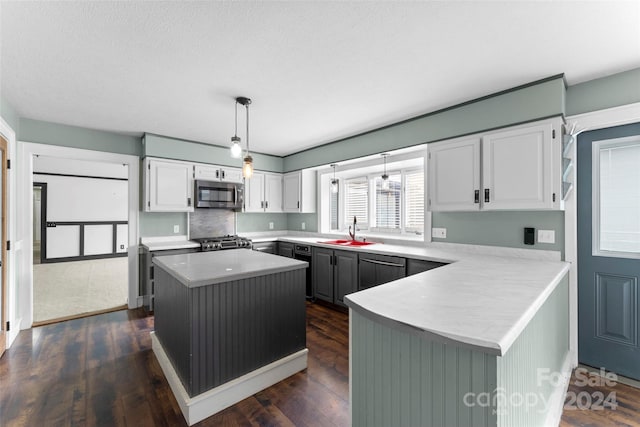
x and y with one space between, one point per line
316 71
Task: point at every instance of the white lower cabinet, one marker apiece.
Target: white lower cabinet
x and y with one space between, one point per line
263 192
513 169
168 185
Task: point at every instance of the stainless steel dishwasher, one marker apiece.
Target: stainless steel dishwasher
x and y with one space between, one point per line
376 269
303 253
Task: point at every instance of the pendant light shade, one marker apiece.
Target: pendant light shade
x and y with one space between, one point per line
236 148
247 164
385 177
334 181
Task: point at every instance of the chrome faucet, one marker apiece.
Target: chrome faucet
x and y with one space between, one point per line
353 235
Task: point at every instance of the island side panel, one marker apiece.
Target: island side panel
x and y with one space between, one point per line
171 322
529 374
404 379
239 326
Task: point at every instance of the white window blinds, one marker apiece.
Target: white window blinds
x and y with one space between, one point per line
414 201
387 203
357 201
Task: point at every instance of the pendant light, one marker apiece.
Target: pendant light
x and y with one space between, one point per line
385 177
236 148
334 181
247 163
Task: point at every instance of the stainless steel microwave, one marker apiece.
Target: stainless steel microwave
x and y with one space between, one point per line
221 195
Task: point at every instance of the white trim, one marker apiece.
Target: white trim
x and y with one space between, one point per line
12 314
26 152
595 198
616 116
204 405
600 119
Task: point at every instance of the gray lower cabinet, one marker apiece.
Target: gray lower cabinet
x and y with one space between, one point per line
415 266
285 249
335 274
266 247
378 269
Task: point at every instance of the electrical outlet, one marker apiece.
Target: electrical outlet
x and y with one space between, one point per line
439 233
176 228
546 236
303 226
271 226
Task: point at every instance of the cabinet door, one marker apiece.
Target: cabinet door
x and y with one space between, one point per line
291 192
454 175
253 193
322 271
285 249
207 173
517 168
170 186
231 175
345 274
273 192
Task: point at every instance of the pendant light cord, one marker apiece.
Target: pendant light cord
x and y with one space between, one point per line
247 107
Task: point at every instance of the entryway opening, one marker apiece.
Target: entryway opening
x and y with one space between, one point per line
80 238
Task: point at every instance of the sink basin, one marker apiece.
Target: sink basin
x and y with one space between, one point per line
347 242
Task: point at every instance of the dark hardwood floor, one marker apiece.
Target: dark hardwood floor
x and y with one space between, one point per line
101 371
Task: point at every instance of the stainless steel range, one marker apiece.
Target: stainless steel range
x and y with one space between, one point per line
223 242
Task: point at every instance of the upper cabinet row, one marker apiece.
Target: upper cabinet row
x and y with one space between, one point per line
169 186
514 169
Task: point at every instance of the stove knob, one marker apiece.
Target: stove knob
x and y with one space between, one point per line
217 246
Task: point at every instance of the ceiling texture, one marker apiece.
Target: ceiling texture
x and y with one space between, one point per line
316 71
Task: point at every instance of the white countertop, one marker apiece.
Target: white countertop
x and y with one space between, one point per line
207 268
164 243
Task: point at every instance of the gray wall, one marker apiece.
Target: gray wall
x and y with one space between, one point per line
611 91
9 115
500 228
77 137
252 222
155 224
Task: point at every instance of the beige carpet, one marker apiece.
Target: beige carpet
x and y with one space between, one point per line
65 289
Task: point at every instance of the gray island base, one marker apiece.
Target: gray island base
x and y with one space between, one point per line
227 325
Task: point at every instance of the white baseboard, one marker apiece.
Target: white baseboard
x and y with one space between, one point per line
557 398
197 408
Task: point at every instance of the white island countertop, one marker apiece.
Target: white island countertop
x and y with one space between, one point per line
207 268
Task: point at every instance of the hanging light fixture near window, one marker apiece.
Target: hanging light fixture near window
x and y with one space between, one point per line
385 177
247 163
334 181
236 148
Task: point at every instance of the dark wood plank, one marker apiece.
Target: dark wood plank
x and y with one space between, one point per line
100 371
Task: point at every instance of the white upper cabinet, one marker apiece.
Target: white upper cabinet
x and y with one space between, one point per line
454 175
263 192
517 168
168 186
512 169
218 173
299 191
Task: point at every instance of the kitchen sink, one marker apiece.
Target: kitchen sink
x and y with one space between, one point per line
346 242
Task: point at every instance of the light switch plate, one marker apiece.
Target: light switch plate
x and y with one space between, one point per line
439 233
271 226
546 236
176 228
303 226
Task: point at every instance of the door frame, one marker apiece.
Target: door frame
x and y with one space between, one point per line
4 147
26 153
9 266
593 120
43 219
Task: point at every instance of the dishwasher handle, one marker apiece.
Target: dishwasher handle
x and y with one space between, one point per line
390 264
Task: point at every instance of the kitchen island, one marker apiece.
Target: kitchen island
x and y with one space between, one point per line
227 325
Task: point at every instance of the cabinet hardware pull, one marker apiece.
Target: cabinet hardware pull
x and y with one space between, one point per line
189 201
486 195
373 261
266 204
223 175
218 173
476 196
262 204
298 205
